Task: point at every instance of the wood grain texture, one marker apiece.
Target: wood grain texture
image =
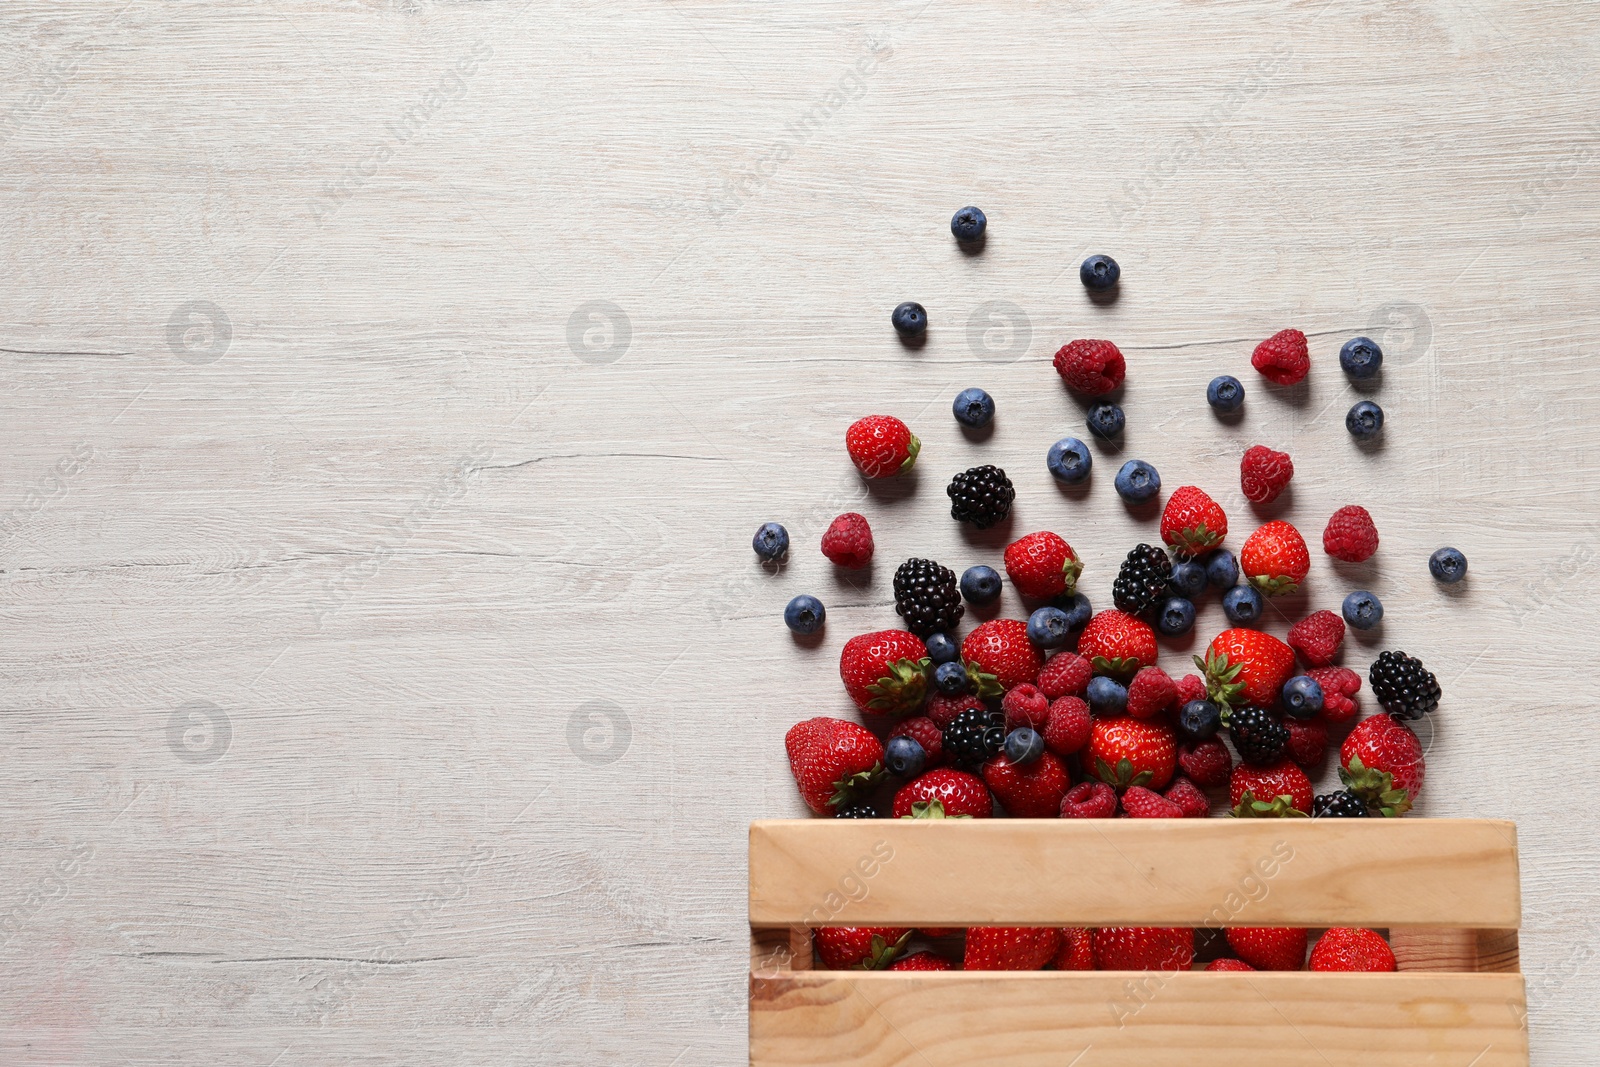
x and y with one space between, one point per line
421 552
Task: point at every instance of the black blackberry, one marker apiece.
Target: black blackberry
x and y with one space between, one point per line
1341 805
1142 579
1258 736
1403 685
981 496
974 736
926 597
857 811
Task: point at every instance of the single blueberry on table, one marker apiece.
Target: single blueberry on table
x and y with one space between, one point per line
1048 627
980 585
1302 696
1138 482
1360 358
1175 616
1078 610
942 649
1364 420
1222 569
973 407
1448 565
1199 719
1362 610
804 615
951 679
1099 273
1069 461
1107 696
771 541
1225 393
968 224
1024 745
904 757
909 319
1242 604
1188 579
1106 421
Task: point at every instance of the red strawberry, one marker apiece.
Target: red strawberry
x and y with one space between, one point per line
885 672
833 760
1001 647
1092 368
944 794
1283 358
1244 666
1042 566
1275 559
881 445
1350 535
1345 948
1117 644
1127 751
1089 800
861 948
921 961
1317 637
1141 803
1266 784
1214 965
1190 799
848 541
1151 693
1308 741
1143 948
1191 687
1026 705
1263 473
1192 522
1208 762
1066 729
1383 745
1269 948
924 732
1067 674
943 709
1031 791
1339 688
1010 948
1077 950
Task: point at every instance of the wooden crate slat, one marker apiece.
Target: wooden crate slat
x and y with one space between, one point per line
1455 872
1046 1019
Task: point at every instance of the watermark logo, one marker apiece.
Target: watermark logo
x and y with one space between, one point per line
999 332
199 332
1403 330
599 732
199 732
599 332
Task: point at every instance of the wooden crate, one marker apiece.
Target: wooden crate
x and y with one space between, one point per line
1445 890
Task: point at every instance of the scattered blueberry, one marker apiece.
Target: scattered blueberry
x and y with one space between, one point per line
1048 627
973 407
1176 616
968 224
1106 696
910 319
1362 610
904 757
1099 272
1137 481
942 649
980 585
771 541
1225 393
1069 460
1360 357
1242 604
1188 578
1448 565
1199 719
1302 697
804 615
951 679
1365 419
1222 570
1023 746
1106 421
1078 611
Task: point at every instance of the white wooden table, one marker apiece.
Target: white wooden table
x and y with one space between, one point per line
391 389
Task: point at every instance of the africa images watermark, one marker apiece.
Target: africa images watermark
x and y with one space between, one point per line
50 487
55 885
850 888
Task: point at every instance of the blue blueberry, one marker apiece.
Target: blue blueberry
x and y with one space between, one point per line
980 585
973 407
771 541
910 319
1360 357
942 649
1048 627
1448 565
1362 610
1243 604
1302 696
1137 481
951 679
1199 719
1078 611
968 224
1222 570
1225 393
1106 696
1106 421
1188 578
1364 420
1069 460
1023 746
1099 272
904 757
1175 617
804 615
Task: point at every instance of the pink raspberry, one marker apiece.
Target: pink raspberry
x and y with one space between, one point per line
1089 800
1067 674
1317 637
925 732
848 541
1283 358
1066 729
941 709
1151 693
1263 473
1092 368
1141 803
1207 762
1025 705
1189 798
1339 688
1350 535
1191 687
1308 741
